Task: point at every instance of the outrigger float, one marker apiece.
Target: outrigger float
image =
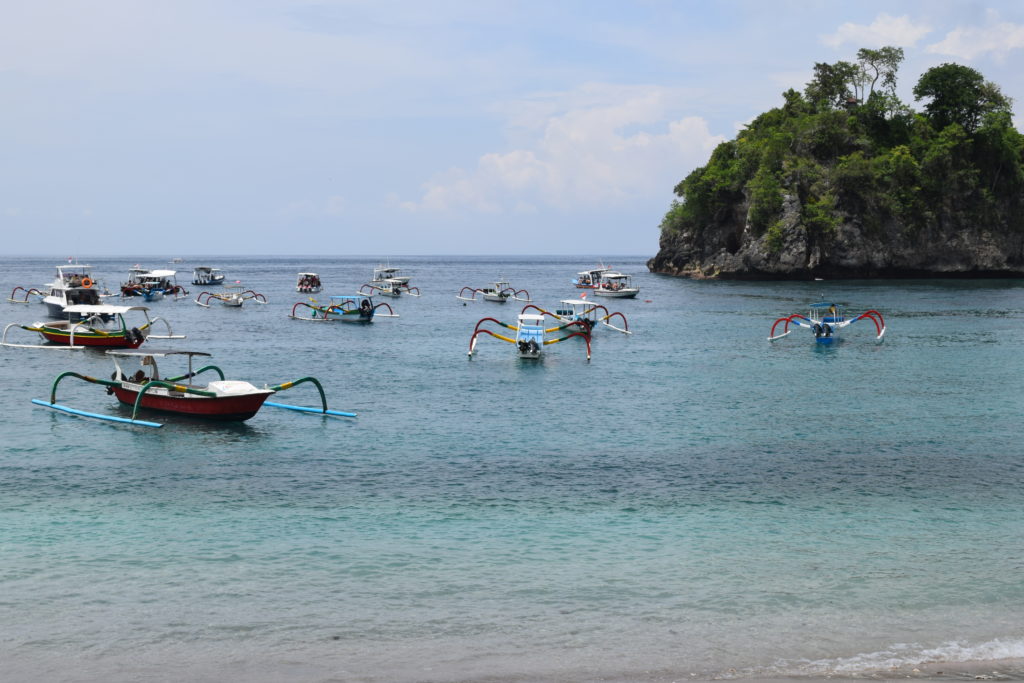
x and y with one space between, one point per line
531 335
233 296
224 400
35 294
586 313
342 308
93 326
825 319
499 291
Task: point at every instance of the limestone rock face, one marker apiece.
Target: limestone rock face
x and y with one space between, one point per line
732 250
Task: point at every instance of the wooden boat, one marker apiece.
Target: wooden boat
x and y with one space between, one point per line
308 283
531 335
616 285
587 313
825 319
152 285
347 308
221 399
93 326
233 296
205 276
499 292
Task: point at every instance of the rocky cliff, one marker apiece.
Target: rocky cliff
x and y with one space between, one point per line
945 248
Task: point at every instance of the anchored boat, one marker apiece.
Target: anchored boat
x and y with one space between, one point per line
205 276
590 279
499 292
586 313
73 285
93 326
531 335
152 285
233 296
221 399
348 308
308 283
825 319
617 285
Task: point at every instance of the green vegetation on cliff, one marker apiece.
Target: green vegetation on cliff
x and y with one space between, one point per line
849 150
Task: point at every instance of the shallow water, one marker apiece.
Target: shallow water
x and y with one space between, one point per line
694 500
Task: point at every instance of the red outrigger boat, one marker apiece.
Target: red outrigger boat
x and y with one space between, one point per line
93 326
222 399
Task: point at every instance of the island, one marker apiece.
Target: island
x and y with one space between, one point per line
844 180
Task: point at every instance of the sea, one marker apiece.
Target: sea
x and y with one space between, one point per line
692 503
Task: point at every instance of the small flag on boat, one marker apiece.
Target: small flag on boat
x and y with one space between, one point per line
583 295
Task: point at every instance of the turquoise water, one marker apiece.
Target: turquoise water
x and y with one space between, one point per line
693 502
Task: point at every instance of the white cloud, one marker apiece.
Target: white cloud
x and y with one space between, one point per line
998 38
884 30
599 145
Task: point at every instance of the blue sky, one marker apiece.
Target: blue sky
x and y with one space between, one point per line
396 128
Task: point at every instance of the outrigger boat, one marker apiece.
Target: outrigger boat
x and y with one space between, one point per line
233 296
152 285
388 281
590 279
93 326
616 285
308 283
586 313
36 295
225 400
382 272
346 308
499 291
825 319
388 288
530 338
205 276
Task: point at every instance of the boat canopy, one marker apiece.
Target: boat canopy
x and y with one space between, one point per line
161 273
101 309
577 302
159 353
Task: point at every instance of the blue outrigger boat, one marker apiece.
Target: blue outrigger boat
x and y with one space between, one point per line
825 319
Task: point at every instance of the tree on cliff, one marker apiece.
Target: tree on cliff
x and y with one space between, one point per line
959 94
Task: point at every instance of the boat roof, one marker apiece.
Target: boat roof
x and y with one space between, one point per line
65 266
611 274
204 268
531 317
599 269
576 302
351 297
155 352
307 273
823 304
162 273
102 309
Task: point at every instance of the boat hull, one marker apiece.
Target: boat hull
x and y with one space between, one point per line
620 294
227 408
103 341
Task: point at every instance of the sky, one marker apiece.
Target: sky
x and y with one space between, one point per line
381 128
